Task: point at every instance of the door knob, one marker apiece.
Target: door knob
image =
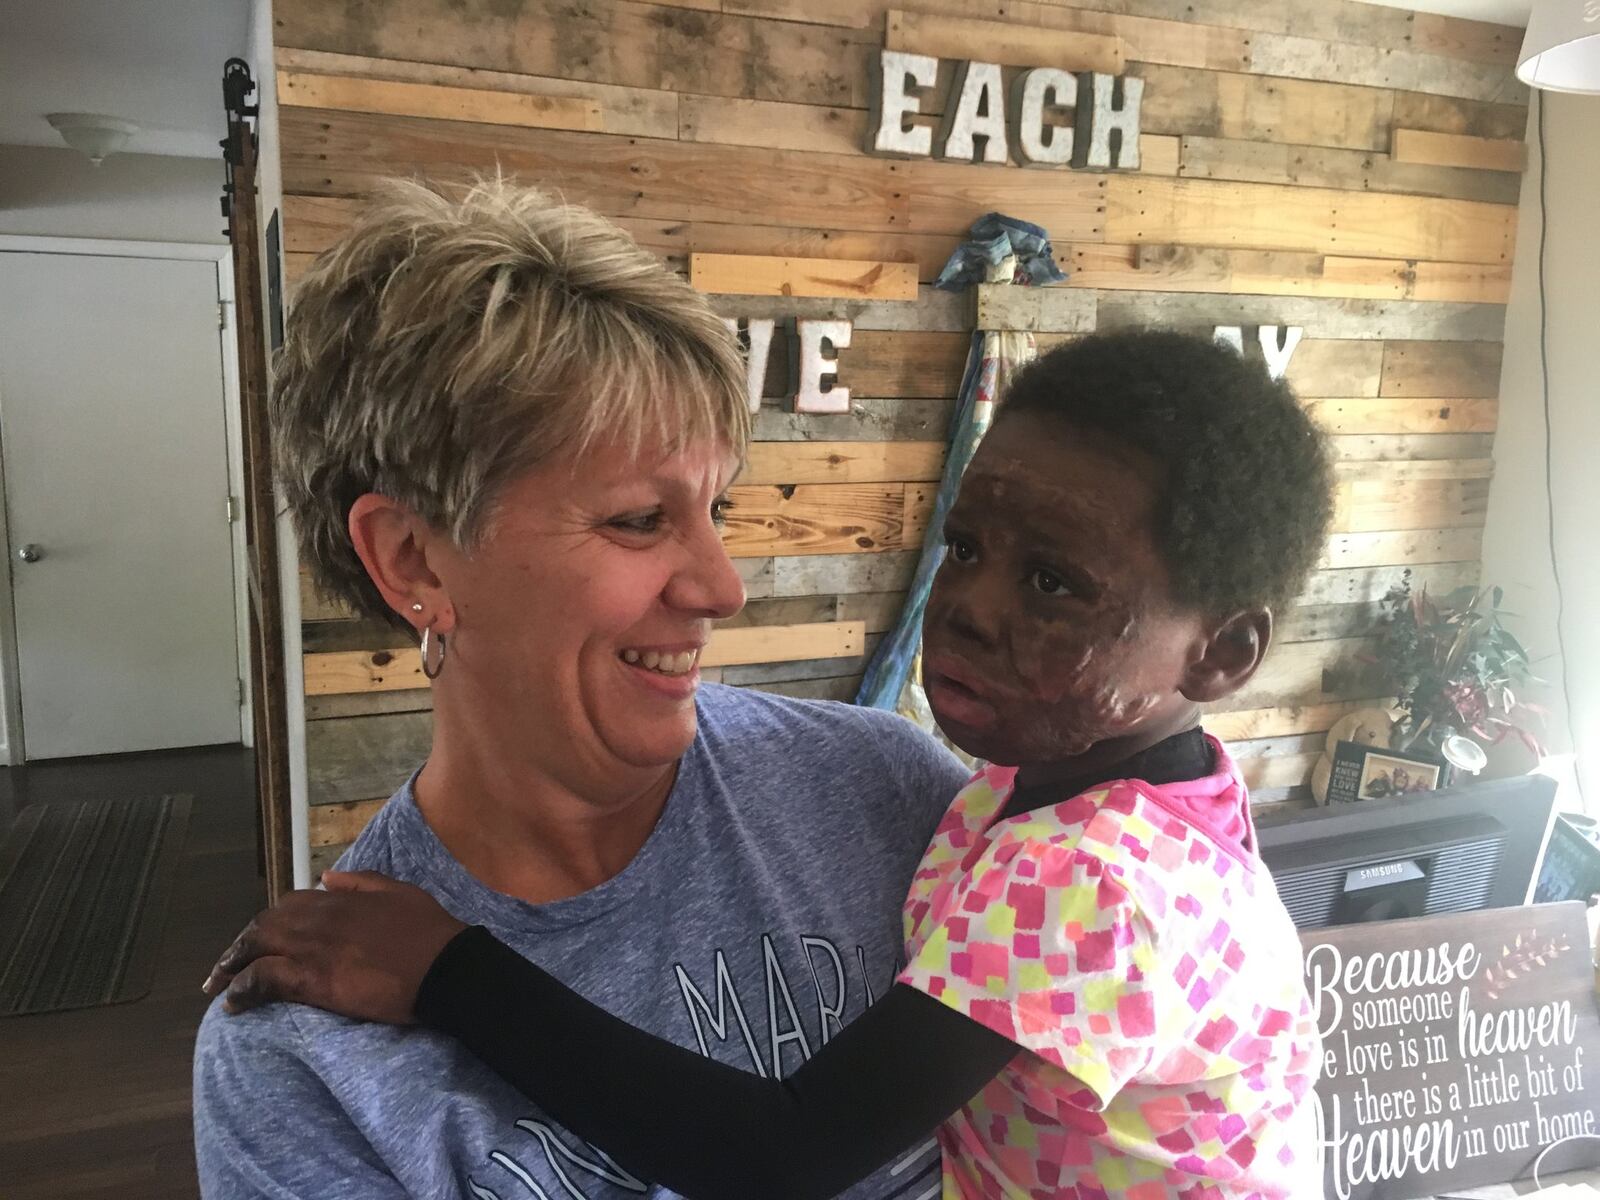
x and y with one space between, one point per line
31 553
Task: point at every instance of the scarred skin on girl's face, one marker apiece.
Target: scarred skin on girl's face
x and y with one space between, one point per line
1051 639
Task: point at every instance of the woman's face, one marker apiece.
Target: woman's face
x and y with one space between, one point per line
580 619
1050 626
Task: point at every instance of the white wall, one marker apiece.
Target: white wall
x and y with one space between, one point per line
56 192
1516 551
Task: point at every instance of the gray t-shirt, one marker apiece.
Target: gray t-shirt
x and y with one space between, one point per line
760 916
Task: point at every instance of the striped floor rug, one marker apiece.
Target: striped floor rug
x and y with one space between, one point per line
83 900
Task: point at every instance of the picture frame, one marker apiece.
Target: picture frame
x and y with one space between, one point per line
1362 772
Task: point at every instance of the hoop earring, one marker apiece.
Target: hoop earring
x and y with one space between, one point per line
432 672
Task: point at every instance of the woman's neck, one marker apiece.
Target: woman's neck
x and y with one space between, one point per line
527 831
1108 753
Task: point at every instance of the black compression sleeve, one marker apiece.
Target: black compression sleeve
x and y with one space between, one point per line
696 1126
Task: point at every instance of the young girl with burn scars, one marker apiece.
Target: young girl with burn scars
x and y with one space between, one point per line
1102 993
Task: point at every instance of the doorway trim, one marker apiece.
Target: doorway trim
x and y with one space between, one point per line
220 256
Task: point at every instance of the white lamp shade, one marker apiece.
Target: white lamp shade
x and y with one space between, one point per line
93 134
1561 52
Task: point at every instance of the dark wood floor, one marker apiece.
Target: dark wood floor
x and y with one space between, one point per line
96 1103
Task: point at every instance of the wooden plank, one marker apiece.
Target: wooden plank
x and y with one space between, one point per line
903 364
331 154
780 463
357 758
788 610
879 611
1160 154
729 55
1359 170
932 310
784 643
347 672
1475 41
1006 306
1299 57
1336 368
1320 317
870 419
1007 42
1278 762
1470 282
616 43
1345 550
843 573
1443 114
1429 369
1383 446
368 704
340 824
638 112
817 668
819 519
1260 108
948 197
1265 216
1425 504
1394 472
756 275
1404 415
435 102
1458 150
1285 273
1366 585
735 121
1320 622
1245 724
1292 675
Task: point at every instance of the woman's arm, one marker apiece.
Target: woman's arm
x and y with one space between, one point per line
371 949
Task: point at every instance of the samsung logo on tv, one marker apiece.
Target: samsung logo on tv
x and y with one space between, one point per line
1393 868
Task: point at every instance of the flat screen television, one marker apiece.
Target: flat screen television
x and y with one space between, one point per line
1458 849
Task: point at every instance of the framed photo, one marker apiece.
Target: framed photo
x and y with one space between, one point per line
1376 773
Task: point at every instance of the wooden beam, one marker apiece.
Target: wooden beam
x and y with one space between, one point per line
1320 317
1475 41
1458 150
780 463
1363 170
355 671
758 275
1430 369
1387 548
434 102
1006 306
1212 270
1402 415
1244 724
1007 42
1203 212
630 111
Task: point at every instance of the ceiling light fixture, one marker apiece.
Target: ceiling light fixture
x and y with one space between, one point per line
93 134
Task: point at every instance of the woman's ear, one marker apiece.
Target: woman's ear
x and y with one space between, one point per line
1230 658
393 543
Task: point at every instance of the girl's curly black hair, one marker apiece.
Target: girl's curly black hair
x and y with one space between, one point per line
1249 485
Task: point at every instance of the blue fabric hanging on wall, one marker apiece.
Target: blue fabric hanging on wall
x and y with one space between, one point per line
999 249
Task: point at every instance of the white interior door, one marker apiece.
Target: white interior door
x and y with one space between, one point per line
113 440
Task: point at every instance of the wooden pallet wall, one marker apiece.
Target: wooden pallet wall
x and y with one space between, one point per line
1344 167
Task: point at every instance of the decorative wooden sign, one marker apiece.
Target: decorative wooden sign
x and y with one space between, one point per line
1456 1049
1095 125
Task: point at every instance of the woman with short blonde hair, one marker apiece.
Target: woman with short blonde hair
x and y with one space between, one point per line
502 424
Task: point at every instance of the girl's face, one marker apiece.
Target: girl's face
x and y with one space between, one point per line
1050 626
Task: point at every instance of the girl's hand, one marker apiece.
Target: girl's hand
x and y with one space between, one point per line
360 949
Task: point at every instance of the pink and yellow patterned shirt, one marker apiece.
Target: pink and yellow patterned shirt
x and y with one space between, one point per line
1151 974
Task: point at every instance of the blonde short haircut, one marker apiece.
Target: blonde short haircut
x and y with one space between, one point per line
447 345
